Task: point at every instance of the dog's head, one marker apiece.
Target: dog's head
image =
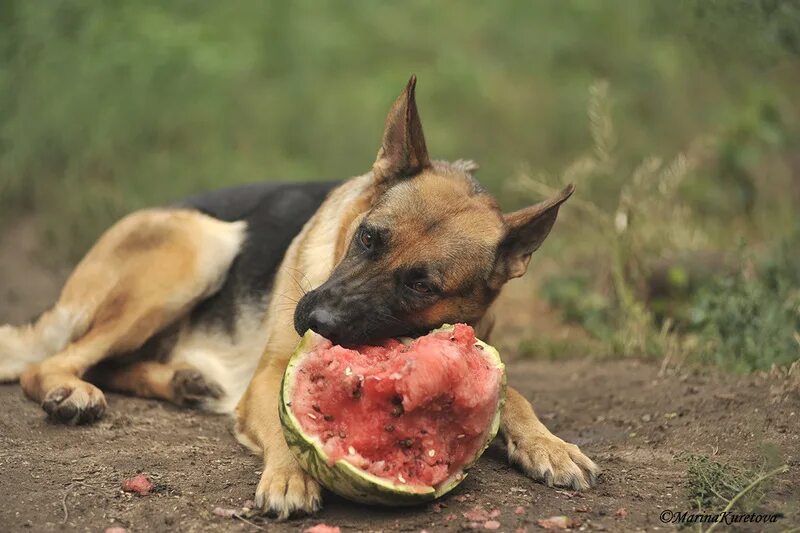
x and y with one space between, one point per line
432 248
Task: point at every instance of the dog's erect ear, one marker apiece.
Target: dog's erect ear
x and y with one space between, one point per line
403 152
526 231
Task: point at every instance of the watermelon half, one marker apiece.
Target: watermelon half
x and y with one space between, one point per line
395 424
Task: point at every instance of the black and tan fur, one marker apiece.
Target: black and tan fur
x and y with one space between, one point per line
201 303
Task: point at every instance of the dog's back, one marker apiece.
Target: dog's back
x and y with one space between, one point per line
275 213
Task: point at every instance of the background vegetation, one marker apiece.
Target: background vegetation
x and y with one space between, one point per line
682 239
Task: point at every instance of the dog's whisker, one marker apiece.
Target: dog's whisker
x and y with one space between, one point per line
302 290
286 302
304 276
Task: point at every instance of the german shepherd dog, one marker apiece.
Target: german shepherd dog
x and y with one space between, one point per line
202 303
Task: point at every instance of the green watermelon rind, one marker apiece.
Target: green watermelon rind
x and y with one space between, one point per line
348 480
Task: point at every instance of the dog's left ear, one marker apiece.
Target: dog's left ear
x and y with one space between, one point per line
526 231
403 152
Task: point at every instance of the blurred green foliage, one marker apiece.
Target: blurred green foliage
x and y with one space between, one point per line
106 107
110 106
750 320
579 302
647 280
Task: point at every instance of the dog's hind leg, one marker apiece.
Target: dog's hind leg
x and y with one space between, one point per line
30 343
143 274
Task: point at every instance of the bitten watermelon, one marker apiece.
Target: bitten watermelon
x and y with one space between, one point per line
395 424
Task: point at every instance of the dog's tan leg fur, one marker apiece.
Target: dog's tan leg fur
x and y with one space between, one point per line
176 383
144 273
538 452
283 488
531 446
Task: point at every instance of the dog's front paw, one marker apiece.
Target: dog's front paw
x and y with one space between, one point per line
286 491
553 461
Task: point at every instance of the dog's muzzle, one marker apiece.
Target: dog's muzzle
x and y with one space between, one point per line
315 315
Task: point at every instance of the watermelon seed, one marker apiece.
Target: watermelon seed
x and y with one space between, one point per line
342 435
431 453
351 450
461 436
478 346
316 408
328 418
405 443
401 478
397 411
348 371
312 416
397 399
388 428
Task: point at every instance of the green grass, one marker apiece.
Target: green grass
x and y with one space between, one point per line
648 279
713 486
750 320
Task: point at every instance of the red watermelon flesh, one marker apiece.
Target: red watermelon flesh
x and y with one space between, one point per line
412 414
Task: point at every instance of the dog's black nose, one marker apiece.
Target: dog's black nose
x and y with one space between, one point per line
323 322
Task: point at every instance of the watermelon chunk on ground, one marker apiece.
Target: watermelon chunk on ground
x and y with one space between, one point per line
396 423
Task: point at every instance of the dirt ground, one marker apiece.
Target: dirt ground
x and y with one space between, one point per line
632 422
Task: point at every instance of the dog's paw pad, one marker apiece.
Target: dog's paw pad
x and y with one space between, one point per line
553 461
190 387
78 403
284 493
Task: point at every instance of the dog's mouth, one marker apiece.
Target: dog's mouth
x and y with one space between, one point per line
355 324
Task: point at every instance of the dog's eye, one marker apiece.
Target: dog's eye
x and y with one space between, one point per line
421 287
366 238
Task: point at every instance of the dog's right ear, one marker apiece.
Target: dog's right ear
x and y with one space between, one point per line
403 153
526 230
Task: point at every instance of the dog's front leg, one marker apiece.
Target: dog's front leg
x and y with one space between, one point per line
284 488
539 453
